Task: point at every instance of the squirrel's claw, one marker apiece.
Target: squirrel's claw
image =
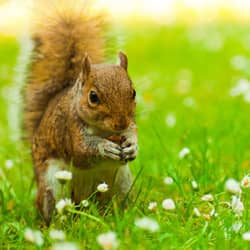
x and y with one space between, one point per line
110 150
129 150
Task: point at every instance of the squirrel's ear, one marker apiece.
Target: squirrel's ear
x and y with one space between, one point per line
86 66
123 60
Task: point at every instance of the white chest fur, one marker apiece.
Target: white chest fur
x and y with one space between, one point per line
115 174
84 182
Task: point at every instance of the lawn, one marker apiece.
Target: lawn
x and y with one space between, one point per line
192 92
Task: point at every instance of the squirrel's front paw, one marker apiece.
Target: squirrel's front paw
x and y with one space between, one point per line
129 149
110 150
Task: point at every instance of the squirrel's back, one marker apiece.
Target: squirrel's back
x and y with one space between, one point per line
63 33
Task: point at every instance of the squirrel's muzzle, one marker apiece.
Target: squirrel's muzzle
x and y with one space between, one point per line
121 124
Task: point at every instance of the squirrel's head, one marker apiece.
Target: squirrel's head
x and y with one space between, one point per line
106 95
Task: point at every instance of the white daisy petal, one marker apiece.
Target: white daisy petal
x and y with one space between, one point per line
63 176
57 234
232 186
152 206
194 185
63 205
236 226
170 120
213 213
168 180
65 246
237 205
184 152
33 236
241 87
239 62
168 204
103 187
147 224
108 241
85 203
245 182
197 212
9 164
246 236
207 197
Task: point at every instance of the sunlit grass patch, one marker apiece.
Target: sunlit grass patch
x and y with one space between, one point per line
191 185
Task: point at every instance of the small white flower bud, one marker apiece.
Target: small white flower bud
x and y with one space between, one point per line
103 187
85 203
108 241
152 206
197 212
245 182
33 236
207 197
246 236
194 185
147 224
184 152
56 234
63 205
168 180
168 204
232 186
63 176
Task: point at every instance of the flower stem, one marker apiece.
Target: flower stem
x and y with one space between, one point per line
89 216
62 191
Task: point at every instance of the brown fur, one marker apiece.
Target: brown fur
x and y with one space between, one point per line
61 39
62 121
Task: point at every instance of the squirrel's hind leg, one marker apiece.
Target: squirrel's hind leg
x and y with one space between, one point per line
48 188
45 202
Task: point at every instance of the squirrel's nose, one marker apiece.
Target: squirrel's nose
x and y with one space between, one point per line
121 124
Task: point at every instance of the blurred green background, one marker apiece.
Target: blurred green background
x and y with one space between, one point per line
193 90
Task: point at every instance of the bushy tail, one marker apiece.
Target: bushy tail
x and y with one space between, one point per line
64 31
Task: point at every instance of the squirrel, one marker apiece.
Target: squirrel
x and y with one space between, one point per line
78 109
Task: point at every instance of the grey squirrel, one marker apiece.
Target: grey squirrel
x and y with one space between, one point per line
78 109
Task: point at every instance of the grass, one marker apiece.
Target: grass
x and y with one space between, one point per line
183 71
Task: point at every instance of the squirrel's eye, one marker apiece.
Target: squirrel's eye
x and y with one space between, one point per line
134 94
93 98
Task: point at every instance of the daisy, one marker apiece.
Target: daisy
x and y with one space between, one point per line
147 224
168 180
56 234
63 176
85 203
246 236
194 185
184 152
152 206
245 182
237 205
63 205
170 120
207 197
33 236
103 187
236 226
9 164
168 204
232 186
197 212
65 246
108 241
